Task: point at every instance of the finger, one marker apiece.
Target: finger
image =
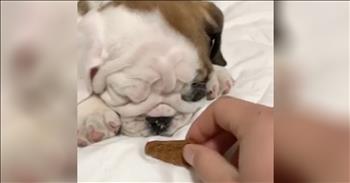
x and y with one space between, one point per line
200 133
256 153
229 114
251 124
221 142
208 164
235 157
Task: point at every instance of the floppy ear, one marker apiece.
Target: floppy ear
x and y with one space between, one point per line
214 20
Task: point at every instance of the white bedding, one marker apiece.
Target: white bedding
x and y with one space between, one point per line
247 46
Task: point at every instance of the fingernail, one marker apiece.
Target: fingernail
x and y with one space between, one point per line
188 154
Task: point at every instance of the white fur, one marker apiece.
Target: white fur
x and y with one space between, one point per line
145 66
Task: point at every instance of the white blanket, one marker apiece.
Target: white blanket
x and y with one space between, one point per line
248 48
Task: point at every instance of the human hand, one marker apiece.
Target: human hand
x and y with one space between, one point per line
223 123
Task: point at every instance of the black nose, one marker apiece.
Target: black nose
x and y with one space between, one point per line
158 124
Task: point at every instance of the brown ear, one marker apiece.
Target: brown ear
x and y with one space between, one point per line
214 20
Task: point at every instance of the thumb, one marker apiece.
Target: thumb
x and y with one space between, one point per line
209 165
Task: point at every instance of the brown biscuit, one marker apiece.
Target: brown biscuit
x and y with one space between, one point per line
168 151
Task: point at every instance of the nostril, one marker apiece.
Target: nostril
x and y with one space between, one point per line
163 119
159 124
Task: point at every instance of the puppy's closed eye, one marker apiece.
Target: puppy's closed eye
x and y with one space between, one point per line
197 91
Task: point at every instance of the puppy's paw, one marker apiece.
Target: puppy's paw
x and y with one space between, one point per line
220 83
96 122
225 80
213 86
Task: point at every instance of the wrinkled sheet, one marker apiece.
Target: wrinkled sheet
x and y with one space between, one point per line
247 46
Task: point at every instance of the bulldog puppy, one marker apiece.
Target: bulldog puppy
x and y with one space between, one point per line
147 66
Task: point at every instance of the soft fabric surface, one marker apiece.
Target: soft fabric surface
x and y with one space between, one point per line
248 48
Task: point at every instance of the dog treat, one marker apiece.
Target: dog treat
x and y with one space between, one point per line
168 151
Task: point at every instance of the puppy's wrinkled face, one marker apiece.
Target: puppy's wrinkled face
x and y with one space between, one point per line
151 95
160 56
